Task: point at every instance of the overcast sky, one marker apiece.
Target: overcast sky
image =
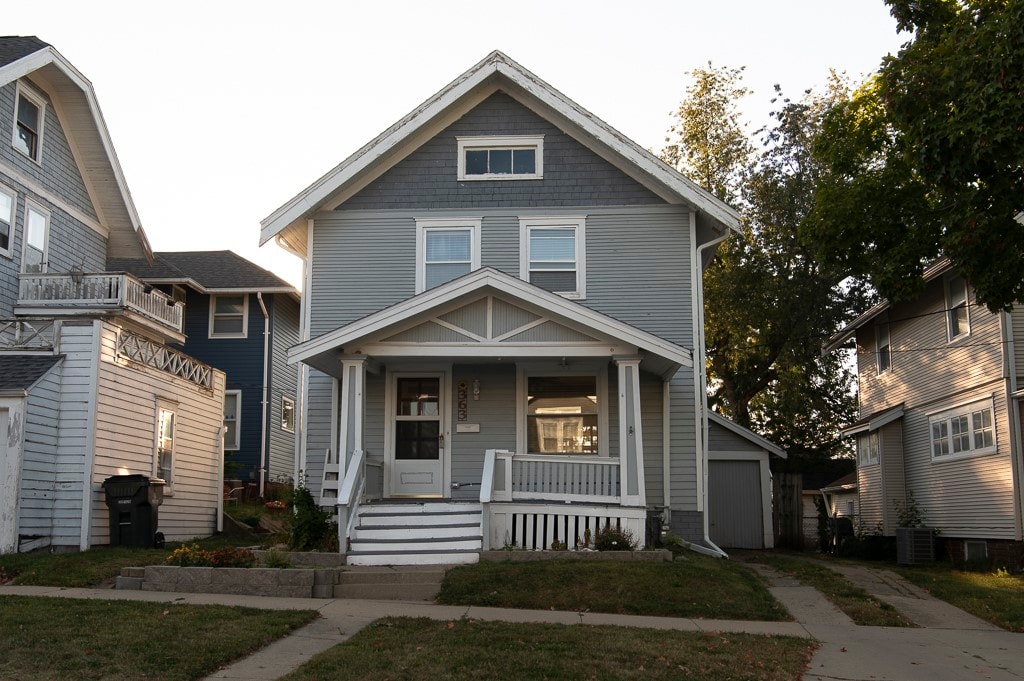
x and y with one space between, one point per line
222 111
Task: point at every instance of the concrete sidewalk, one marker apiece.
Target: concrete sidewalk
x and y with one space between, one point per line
848 652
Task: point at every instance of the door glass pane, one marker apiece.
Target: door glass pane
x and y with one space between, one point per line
417 439
418 397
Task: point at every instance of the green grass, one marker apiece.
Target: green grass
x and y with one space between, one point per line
88 568
698 586
860 606
398 649
58 638
996 597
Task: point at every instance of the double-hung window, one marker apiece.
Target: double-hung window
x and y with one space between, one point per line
958 317
506 157
229 316
8 201
37 229
28 123
164 463
562 415
553 254
287 414
868 446
883 348
445 250
232 419
962 431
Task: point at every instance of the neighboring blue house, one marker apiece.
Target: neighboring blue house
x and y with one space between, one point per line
241 319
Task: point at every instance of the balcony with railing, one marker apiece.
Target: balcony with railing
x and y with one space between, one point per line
79 293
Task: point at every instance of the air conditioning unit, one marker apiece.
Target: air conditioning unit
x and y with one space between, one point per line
915 545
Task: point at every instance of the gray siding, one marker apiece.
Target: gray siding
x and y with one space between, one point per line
892 463
967 497
573 175
734 504
318 428
651 422
494 412
58 172
38 472
283 381
723 440
363 262
683 457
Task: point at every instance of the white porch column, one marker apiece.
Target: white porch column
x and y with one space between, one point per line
631 441
351 408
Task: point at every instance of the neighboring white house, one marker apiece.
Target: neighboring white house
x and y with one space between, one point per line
503 314
88 385
940 412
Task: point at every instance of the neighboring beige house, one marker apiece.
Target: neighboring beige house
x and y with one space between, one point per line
940 417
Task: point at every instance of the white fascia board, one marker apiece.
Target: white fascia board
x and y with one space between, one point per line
470 283
192 283
48 55
875 422
747 434
312 197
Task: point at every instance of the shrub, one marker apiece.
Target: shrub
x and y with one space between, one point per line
310 525
610 538
233 557
276 559
190 555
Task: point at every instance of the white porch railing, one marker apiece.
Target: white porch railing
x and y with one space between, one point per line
102 290
516 492
363 480
28 334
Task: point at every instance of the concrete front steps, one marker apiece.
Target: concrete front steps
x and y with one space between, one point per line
416 533
386 583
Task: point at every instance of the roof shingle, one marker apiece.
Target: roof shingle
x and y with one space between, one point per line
215 270
19 372
14 47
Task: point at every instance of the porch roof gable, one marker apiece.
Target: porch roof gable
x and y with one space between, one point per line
590 330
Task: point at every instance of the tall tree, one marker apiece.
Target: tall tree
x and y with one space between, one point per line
769 304
928 156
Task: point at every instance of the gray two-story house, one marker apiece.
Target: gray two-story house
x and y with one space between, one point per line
90 386
502 332
940 417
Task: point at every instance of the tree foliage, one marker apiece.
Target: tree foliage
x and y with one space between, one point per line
769 303
927 158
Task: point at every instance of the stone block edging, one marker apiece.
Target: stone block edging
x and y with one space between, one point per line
284 582
656 556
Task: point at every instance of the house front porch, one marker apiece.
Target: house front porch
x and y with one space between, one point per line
489 415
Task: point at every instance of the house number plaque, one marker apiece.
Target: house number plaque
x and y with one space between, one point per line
463 401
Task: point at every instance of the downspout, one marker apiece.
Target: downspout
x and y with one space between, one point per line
220 481
700 363
266 389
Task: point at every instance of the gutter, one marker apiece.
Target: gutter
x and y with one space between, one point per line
266 390
701 369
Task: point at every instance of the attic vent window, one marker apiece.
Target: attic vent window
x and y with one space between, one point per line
509 157
28 124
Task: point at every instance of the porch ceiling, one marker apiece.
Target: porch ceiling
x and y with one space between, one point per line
484 316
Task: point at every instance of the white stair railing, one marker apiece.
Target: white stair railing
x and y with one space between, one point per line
349 496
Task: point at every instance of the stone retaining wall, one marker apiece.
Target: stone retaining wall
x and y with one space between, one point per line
303 558
286 582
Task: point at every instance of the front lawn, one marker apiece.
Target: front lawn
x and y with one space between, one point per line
88 568
860 606
994 596
398 649
59 638
697 586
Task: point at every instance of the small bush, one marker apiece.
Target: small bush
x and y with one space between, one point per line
276 559
610 538
310 526
233 557
190 555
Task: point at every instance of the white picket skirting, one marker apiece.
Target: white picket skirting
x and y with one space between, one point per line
536 526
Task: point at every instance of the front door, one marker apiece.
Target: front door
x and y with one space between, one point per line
417 437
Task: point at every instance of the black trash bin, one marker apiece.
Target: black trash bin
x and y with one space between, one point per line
133 502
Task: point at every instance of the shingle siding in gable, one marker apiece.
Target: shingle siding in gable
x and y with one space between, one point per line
573 175
58 172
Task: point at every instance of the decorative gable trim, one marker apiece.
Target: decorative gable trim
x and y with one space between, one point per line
470 88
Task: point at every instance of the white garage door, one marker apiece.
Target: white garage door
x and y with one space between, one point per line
734 504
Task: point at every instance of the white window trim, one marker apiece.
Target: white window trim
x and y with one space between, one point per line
472 225
245 316
234 447
7 191
501 142
164 405
22 90
287 400
32 206
878 348
575 221
949 308
526 370
963 409
874 439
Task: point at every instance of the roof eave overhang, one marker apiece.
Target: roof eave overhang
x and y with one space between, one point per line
324 350
497 69
874 422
